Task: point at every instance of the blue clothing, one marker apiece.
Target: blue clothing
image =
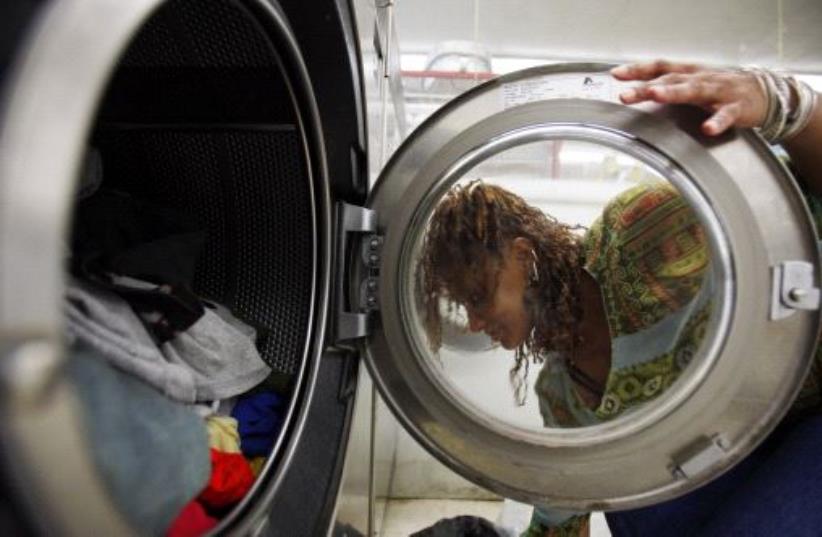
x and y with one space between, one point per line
259 419
151 452
773 492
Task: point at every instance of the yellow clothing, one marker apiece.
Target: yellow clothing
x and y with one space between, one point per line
222 434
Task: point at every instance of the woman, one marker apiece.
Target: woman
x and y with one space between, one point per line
615 315
589 307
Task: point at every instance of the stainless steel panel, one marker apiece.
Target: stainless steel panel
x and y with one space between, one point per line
355 502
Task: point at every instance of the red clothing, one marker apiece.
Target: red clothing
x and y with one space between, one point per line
231 479
192 521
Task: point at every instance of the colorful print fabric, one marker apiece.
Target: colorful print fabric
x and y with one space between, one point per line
649 254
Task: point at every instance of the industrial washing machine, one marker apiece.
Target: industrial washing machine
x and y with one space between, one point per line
250 115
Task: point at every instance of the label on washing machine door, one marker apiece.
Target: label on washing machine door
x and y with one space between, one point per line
581 86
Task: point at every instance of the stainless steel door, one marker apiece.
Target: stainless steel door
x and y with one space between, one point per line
751 359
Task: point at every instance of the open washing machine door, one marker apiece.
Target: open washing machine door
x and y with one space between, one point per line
703 250
246 115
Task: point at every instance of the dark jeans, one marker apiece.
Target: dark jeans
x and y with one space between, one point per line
775 491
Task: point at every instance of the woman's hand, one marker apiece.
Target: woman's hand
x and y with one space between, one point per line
735 97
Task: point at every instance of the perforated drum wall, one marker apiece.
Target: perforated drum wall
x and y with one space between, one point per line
248 189
198 117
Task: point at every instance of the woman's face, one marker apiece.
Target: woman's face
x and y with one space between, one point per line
497 304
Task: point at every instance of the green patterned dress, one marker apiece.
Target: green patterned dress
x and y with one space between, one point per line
649 255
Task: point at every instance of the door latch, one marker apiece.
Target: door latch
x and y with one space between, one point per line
699 456
792 288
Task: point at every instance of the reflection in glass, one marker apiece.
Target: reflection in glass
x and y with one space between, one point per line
565 270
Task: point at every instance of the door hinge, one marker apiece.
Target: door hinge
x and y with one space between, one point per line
792 288
357 228
369 287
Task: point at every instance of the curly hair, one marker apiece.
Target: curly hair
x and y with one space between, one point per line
464 244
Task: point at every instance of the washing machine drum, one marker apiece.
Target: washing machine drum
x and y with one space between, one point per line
122 122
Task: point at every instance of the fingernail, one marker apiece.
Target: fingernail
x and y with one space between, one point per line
619 70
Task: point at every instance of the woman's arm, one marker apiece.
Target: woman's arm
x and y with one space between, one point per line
805 150
735 98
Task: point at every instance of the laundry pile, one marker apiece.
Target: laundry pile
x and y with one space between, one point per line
238 446
180 409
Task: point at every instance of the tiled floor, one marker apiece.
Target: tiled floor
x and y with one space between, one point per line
404 517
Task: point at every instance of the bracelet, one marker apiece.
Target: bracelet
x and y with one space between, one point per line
766 85
781 122
805 104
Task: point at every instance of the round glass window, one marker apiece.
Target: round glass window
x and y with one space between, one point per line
560 283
